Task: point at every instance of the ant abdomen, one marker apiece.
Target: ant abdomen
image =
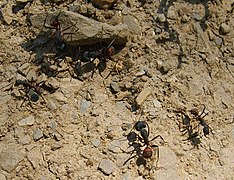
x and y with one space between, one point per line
147 152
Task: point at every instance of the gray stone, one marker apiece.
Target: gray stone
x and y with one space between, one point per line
53 125
107 166
115 87
157 104
139 178
28 121
161 18
224 28
167 158
96 142
37 134
196 17
86 31
115 145
142 96
167 174
132 24
84 105
10 158
218 41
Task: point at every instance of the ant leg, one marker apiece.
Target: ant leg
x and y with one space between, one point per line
156 150
158 136
203 111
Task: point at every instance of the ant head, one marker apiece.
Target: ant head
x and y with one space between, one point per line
55 23
194 111
140 125
147 152
110 51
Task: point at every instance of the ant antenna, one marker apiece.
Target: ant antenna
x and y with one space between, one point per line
113 40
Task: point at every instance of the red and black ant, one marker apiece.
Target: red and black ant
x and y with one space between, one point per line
151 149
60 44
89 57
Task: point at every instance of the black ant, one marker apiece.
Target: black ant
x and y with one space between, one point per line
200 119
32 91
188 128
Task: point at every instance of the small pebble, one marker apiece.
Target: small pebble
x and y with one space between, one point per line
157 104
28 121
142 96
107 166
224 29
56 145
37 134
115 87
218 41
84 105
161 18
96 142
10 158
127 176
171 14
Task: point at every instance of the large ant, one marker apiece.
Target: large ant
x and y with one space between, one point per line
150 149
102 55
200 119
141 127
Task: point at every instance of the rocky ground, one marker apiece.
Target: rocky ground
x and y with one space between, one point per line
170 57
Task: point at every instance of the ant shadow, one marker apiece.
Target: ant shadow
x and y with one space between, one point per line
173 34
132 138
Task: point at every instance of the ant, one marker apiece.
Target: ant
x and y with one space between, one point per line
188 128
32 91
141 127
150 150
60 44
102 54
200 119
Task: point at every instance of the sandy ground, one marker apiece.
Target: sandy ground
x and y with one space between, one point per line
179 56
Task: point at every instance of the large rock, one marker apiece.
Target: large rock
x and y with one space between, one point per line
85 31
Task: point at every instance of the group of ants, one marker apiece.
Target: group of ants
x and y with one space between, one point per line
33 90
142 127
151 149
